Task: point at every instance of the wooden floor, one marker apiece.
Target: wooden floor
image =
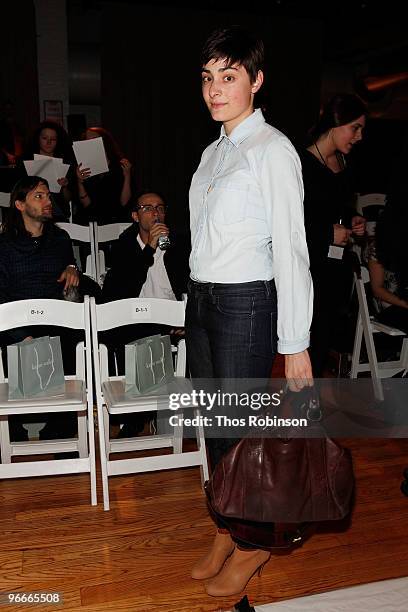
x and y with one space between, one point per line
137 556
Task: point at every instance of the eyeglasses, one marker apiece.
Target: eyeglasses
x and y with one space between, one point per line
148 208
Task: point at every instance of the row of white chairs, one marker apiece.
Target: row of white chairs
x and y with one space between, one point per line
92 365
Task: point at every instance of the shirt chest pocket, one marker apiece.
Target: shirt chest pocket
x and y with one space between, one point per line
232 202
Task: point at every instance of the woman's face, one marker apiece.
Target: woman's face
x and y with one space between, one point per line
48 141
347 135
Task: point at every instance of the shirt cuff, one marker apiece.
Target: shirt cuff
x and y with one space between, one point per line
290 347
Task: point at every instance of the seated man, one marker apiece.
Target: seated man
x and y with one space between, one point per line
37 261
154 273
141 269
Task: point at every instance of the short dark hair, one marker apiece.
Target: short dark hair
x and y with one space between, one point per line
14 225
339 110
142 192
237 46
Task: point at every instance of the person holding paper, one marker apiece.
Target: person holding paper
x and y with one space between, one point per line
104 197
50 140
330 218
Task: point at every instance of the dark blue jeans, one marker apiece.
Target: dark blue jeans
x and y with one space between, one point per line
230 333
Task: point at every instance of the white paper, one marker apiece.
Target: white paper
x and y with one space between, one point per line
61 169
55 171
44 168
91 154
58 160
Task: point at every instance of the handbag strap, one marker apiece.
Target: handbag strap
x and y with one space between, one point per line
305 403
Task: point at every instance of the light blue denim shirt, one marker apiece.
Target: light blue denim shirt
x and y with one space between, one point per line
246 216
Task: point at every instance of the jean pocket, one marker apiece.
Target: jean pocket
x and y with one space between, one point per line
263 337
235 306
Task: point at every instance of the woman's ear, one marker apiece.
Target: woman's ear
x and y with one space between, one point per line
257 84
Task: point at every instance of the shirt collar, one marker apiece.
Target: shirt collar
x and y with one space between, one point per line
243 129
140 241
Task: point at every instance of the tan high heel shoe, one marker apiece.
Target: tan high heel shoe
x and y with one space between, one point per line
237 572
212 562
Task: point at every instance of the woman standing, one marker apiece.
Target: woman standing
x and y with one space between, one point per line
250 293
330 218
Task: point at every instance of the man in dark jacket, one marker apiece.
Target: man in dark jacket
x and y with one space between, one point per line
37 261
141 269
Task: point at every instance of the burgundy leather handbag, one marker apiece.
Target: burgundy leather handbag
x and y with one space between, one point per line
281 480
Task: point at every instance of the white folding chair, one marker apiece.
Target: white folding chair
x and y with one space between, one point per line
104 234
111 397
4 203
370 199
84 234
367 326
77 397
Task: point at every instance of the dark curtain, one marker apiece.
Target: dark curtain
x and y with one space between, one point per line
151 90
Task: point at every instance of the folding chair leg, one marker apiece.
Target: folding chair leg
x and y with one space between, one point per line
5 446
203 451
357 348
106 427
178 439
82 435
92 460
103 452
372 360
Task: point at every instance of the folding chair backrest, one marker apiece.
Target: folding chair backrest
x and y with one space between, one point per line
84 234
42 312
103 234
4 203
132 311
139 310
109 232
58 313
370 199
4 199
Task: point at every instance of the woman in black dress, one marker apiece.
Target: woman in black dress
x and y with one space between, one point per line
330 218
